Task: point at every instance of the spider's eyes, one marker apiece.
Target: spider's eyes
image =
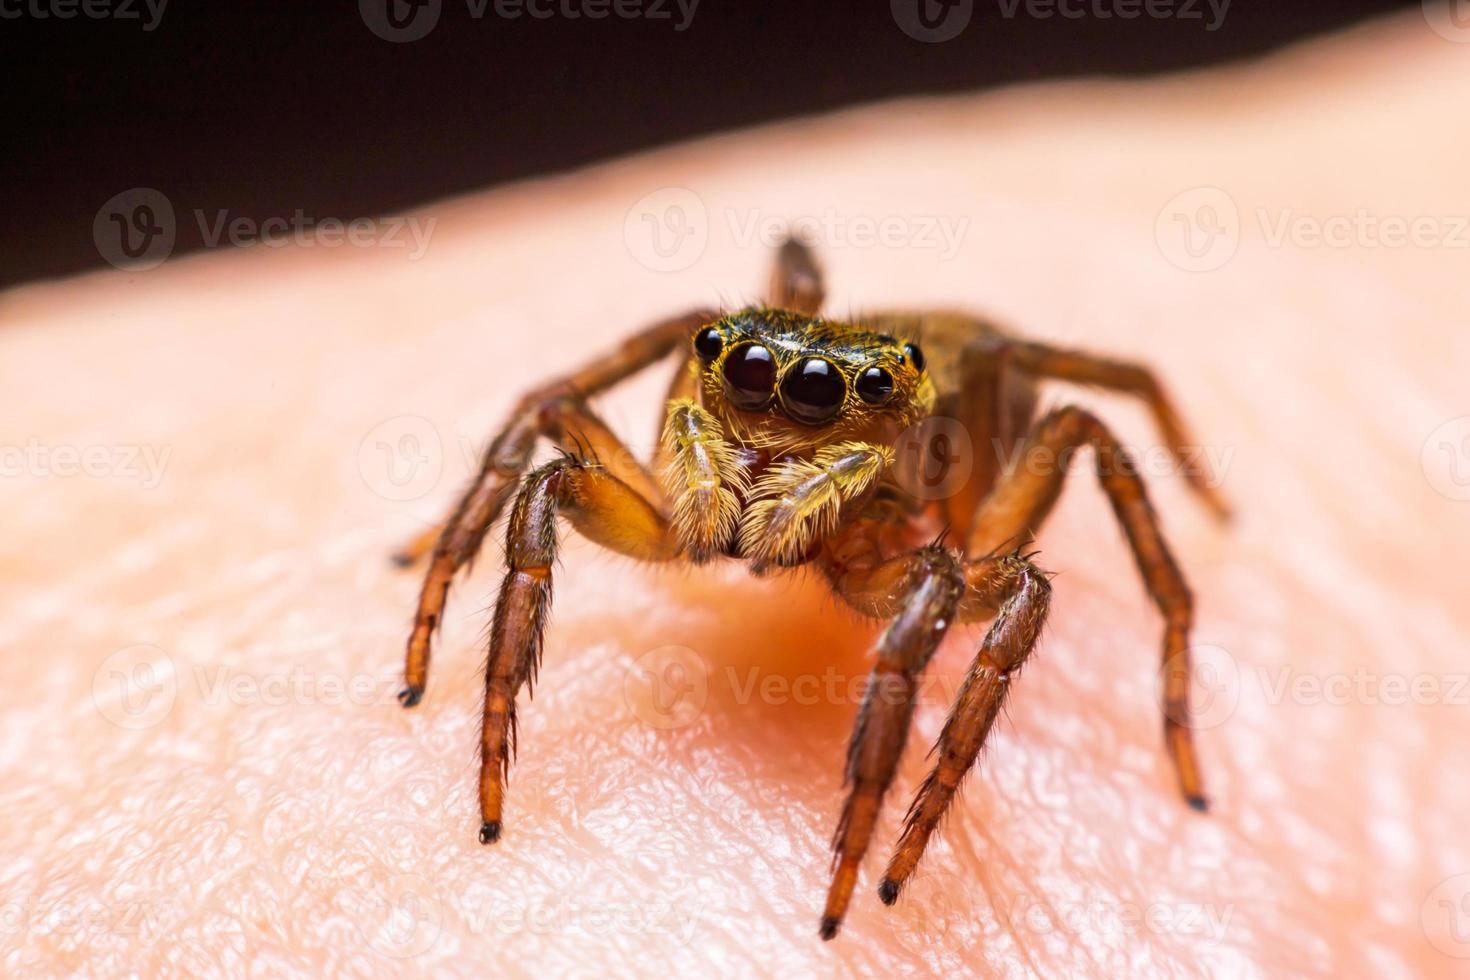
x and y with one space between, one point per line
750 377
708 343
813 391
915 355
875 385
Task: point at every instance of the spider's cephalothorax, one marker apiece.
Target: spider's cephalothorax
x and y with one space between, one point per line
780 420
778 449
787 381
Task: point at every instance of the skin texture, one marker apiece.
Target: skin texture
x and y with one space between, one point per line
680 764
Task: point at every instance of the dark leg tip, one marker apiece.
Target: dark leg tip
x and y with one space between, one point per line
829 930
410 696
490 832
888 891
401 559
1199 803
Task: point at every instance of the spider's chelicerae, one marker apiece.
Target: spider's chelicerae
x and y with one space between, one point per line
778 449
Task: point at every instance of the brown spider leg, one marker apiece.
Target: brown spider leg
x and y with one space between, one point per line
1042 361
568 423
412 551
931 583
1018 593
538 413
603 509
796 281
1016 508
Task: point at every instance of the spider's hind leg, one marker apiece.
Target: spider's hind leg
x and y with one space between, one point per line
1044 362
796 281
1017 507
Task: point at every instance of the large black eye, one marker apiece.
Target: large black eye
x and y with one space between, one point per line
875 385
750 377
812 391
708 343
915 354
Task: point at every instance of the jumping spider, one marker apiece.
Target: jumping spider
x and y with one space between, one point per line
777 449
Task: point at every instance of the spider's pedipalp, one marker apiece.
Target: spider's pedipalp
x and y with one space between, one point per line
703 480
800 501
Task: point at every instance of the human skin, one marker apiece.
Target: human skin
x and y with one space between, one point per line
261 803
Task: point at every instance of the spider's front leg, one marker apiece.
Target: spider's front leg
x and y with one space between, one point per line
924 588
603 509
1018 594
798 502
556 411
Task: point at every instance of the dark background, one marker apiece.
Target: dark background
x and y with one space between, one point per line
262 109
